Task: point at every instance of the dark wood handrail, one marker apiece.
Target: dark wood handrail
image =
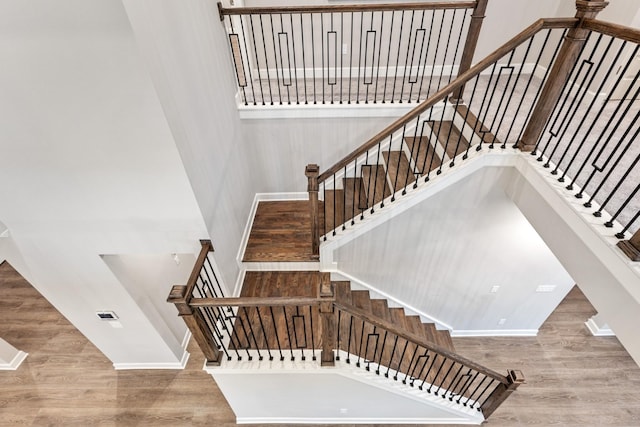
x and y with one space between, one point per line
463 78
344 8
254 302
619 31
191 283
415 339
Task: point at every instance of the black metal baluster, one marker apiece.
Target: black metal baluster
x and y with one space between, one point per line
386 170
344 199
338 336
444 379
304 62
246 334
324 208
484 378
313 60
275 330
246 315
413 357
335 226
313 344
255 52
241 64
395 77
421 28
593 122
286 322
375 92
360 347
266 60
393 350
246 49
435 56
406 60
484 100
413 375
341 53
275 56
587 204
427 357
477 404
295 332
468 384
295 63
433 362
526 88
435 378
349 340
426 57
404 350
375 181
335 59
353 193
446 49
384 342
350 60
454 383
620 235
386 75
542 84
359 58
322 52
455 54
264 333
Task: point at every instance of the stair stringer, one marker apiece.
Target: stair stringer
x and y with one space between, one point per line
237 379
476 160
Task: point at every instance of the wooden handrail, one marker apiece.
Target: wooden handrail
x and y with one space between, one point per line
390 327
191 283
619 31
254 302
344 8
463 78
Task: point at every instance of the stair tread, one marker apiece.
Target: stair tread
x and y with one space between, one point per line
375 185
415 326
447 131
423 154
342 291
333 209
379 308
362 300
476 125
398 166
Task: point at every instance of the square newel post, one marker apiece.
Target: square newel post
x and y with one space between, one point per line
470 44
312 172
329 322
631 247
502 392
196 324
559 74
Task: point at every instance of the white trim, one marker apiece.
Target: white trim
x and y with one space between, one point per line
15 362
282 266
439 324
239 282
277 111
170 365
495 333
597 331
348 420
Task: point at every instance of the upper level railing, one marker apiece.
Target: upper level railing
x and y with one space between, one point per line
308 327
343 54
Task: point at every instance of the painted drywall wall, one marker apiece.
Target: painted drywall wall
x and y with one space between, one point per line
88 167
444 255
332 398
148 278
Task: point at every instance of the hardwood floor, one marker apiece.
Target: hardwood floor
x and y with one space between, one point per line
573 379
281 232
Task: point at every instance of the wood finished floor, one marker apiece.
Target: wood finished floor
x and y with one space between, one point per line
281 231
66 381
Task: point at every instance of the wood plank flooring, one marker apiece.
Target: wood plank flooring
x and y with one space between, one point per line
573 378
281 232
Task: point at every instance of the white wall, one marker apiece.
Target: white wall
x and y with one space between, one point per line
444 255
87 167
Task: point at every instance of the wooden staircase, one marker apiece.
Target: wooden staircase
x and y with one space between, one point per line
397 169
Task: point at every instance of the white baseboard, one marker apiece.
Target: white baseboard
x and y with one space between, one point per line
597 331
350 420
171 365
15 362
495 333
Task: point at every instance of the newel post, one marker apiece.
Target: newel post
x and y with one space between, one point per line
559 74
328 320
502 392
470 44
312 172
196 324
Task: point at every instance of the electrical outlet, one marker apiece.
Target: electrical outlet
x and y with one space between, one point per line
345 49
546 288
502 321
494 289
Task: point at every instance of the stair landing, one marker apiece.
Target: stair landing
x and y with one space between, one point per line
281 232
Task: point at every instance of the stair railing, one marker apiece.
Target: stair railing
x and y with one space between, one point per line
344 54
498 97
380 346
305 327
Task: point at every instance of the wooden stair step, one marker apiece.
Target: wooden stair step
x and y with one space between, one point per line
333 210
354 197
423 154
415 326
375 185
380 308
342 291
476 125
361 300
450 137
444 338
398 166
